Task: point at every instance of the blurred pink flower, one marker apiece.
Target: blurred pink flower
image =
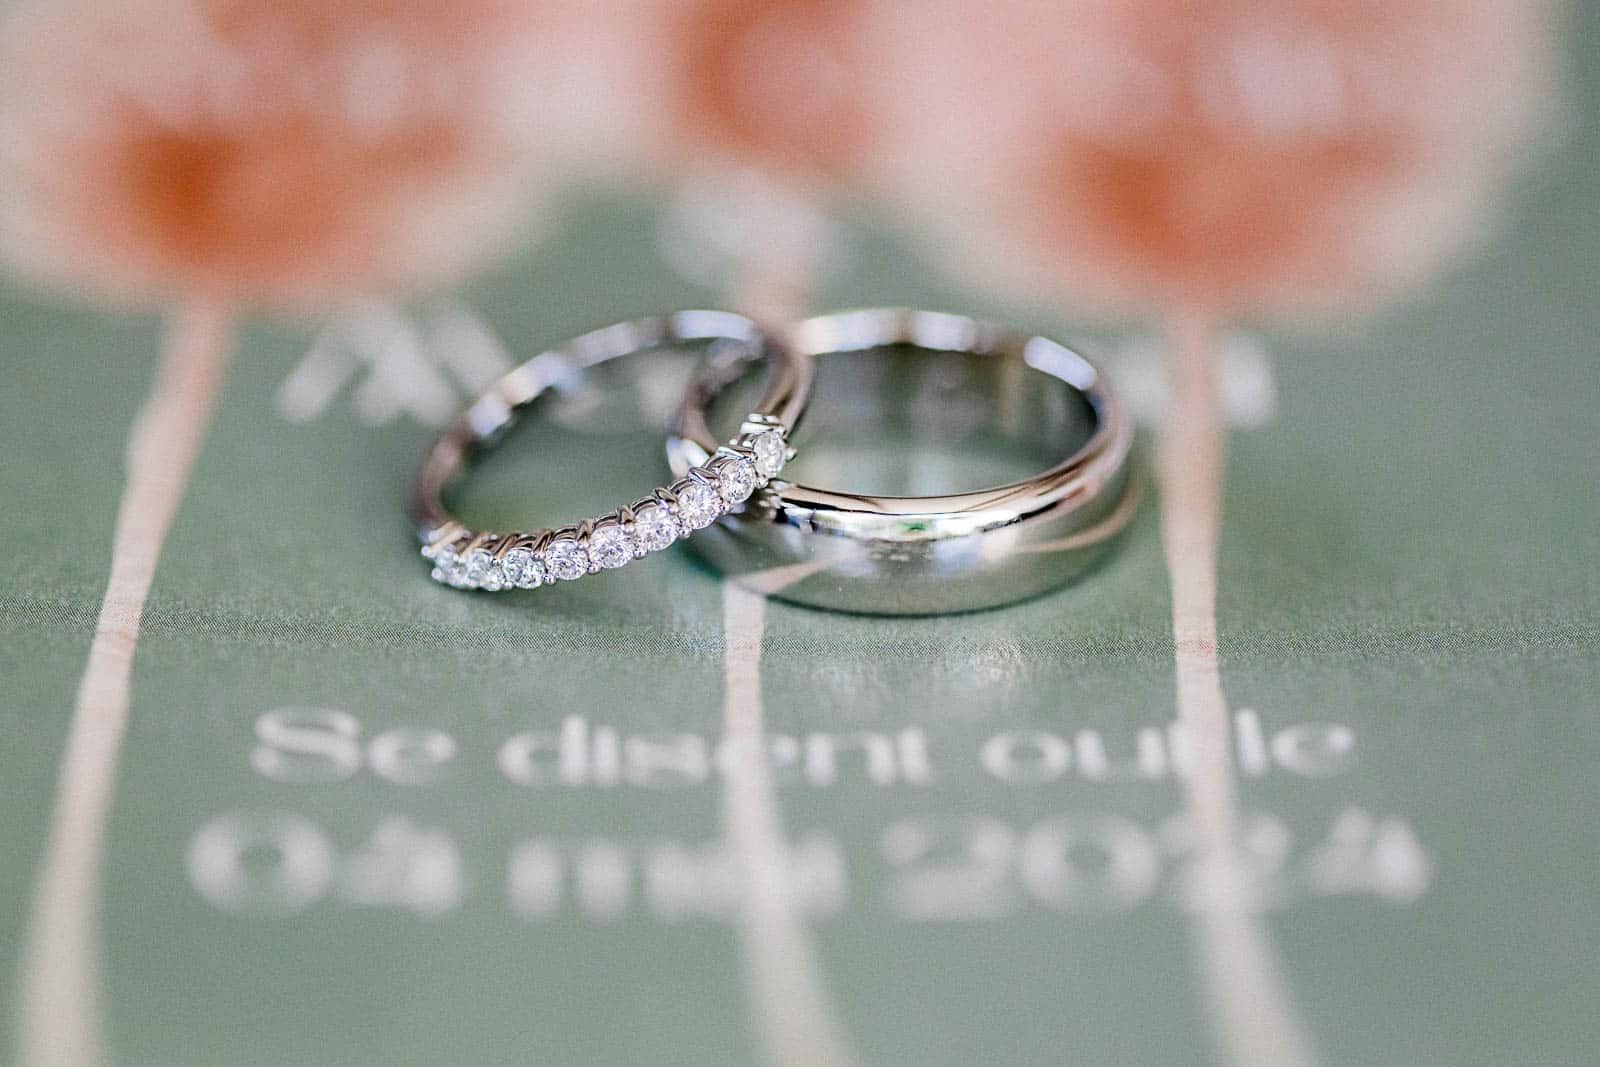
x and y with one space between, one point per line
292 152
1201 159
778 86
214 155
1227 154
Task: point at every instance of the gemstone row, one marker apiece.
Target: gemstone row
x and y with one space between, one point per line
463 559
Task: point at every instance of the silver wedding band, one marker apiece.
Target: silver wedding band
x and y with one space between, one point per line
905 555
829 548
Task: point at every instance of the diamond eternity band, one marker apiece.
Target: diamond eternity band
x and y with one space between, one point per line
466 559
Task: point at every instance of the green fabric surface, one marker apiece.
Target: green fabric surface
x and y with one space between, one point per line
1409 552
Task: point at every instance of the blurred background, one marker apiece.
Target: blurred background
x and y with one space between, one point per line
1304 775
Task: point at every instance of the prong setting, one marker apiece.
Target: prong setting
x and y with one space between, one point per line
565 557
464 559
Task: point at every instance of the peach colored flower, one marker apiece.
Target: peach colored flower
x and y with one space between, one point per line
778 86
213 154
292 152
1231 154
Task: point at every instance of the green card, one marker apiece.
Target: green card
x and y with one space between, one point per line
361 818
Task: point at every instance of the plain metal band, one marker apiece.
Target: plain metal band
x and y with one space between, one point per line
487 417
933 554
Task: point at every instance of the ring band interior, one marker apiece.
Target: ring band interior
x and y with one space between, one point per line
911 421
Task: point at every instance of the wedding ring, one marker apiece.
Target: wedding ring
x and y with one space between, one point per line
720 482
901 555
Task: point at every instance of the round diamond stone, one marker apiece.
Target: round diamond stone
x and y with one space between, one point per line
698 506
449 569
770 453
737 480
610 546
483 570
654 528
521 569
566 559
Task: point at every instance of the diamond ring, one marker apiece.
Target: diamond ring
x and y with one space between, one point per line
724 479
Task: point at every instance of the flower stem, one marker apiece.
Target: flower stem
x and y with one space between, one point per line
60 1020
1251 1004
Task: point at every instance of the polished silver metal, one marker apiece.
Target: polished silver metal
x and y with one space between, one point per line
721 481
908 555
